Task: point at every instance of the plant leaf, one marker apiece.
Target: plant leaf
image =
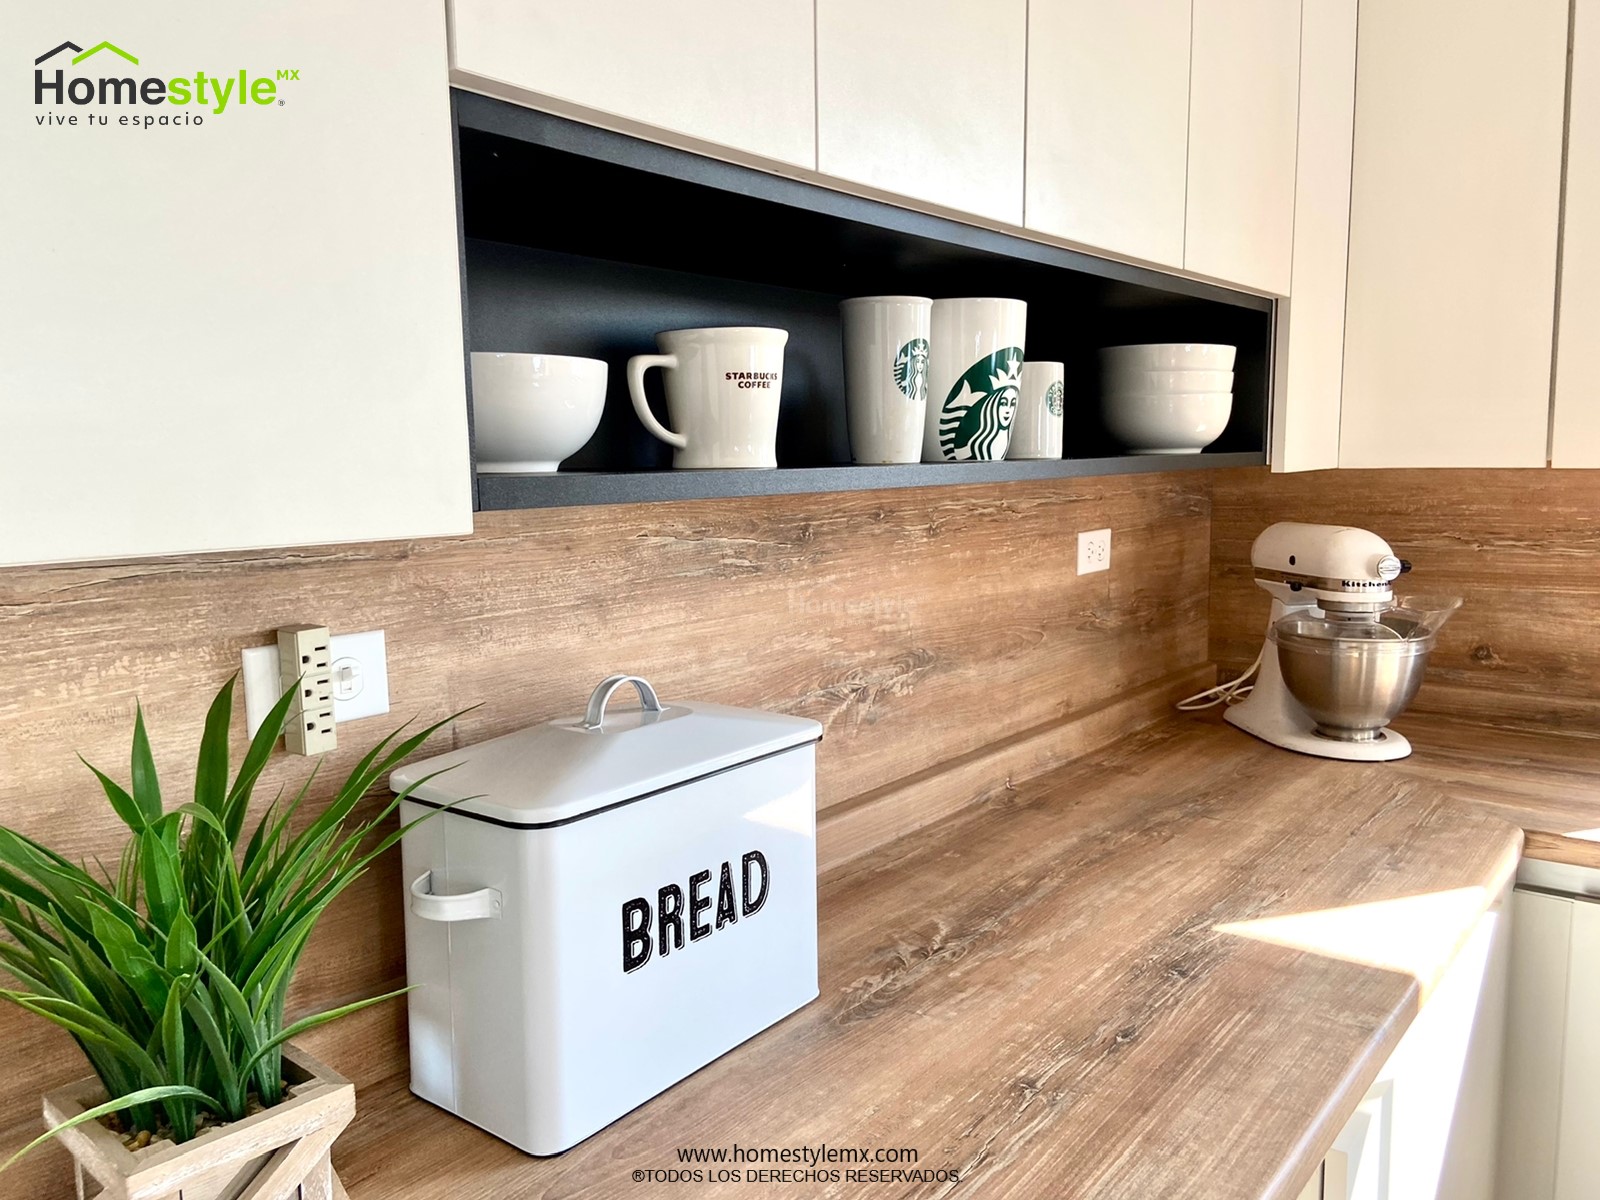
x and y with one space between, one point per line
146 790
124 804
211 765
322 1018
143 1096
182 954
255 761
163 891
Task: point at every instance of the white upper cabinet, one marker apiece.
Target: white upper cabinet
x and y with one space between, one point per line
1575 435
1108 124
229 320
1454 212
924 99
729 72
1243 94
1310 358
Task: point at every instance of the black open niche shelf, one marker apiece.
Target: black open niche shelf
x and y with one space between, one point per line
577 240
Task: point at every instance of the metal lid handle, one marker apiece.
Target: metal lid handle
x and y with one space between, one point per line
595 716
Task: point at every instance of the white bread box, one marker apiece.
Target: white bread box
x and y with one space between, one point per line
608 904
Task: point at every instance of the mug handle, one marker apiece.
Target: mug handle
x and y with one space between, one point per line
637 366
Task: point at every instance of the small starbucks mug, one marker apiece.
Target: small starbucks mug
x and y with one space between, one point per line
722 395
1036 429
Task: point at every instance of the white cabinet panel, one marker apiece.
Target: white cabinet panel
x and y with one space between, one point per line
1444 1078
1578 1131
244 332
1459 113
1575 436
1243 95
1536 1018
725 71
1108 124
924 98
1305 427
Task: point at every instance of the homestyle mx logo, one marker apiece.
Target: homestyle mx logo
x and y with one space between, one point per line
166 101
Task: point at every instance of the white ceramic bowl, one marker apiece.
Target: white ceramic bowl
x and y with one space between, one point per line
1179 423
530 411
1169 356
1162 383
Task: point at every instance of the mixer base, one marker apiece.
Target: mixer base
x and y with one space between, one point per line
1275 725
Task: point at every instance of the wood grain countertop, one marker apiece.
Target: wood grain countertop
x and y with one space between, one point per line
1105 985
1549 784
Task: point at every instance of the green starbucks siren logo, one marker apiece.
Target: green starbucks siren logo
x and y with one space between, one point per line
975 422
1052 399
911 369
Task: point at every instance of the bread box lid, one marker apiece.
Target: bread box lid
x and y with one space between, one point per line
567 769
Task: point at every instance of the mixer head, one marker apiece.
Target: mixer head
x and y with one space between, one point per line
1345 571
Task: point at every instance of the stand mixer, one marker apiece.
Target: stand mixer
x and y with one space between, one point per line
1342 658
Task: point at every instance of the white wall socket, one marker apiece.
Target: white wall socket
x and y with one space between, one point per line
358 677
1094 551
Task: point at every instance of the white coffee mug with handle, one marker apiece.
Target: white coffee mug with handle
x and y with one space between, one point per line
722 387
974 376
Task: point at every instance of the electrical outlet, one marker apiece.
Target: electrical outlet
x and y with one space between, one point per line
358 677
305 662
1094 551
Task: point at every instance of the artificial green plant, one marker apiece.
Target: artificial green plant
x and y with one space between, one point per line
171 974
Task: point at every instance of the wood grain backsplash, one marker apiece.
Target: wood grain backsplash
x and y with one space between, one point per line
916 625
1522 547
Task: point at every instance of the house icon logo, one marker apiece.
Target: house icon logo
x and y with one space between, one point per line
65 86
80 53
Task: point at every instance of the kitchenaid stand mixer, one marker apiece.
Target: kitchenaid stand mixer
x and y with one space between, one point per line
1332 575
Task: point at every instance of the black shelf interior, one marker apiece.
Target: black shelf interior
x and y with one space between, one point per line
581 241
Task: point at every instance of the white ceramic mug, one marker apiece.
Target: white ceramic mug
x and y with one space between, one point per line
1036 429
974 374
722 394
886 376
530 411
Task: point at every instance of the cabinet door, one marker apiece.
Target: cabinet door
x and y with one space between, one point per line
1243 93
1536 1020
924 98
1578 1156
724 71
1441 1087
1108 124
1454 204
1310 358
241 328
1575 435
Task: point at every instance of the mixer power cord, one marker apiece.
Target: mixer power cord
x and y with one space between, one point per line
1235 690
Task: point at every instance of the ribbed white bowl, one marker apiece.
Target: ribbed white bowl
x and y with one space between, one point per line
1169 356
1178 423
1161 383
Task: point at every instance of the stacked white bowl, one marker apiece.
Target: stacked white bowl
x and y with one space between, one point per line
1171 398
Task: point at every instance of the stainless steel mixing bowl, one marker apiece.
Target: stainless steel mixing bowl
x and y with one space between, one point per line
1352 678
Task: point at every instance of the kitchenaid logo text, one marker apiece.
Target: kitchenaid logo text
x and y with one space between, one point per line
753 379
643 936
60 79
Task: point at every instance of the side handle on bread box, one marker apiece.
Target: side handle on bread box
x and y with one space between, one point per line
466 906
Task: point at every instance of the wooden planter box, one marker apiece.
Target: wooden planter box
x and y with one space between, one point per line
278 1154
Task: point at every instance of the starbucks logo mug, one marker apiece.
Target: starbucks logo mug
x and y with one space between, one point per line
974 378
886 376
722 390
